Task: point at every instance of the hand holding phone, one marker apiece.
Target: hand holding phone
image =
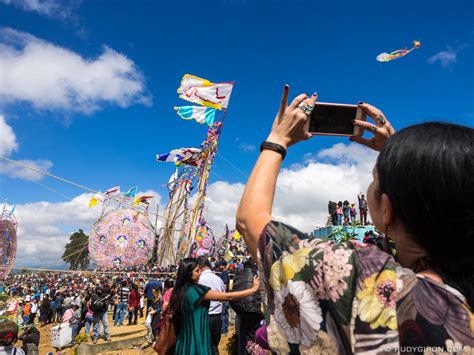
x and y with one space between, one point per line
330 119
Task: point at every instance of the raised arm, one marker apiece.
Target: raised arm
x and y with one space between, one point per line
230 296
290 126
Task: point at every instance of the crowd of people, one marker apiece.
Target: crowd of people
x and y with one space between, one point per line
345 213
411 292
84 300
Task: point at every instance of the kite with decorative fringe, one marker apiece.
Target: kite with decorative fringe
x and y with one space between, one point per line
204 92
8 239
386 57
199 113
182 156
142 199
121 238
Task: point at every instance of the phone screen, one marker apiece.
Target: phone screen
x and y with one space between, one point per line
331 119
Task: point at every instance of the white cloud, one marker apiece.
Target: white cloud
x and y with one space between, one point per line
44 228
61 9
247 148
446 58
17 171
52 77
8 145
303 191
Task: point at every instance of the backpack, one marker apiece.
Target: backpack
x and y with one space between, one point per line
98 304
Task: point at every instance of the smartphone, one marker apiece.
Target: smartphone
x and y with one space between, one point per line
329 119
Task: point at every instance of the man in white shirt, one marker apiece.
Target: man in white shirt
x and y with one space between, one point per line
214 282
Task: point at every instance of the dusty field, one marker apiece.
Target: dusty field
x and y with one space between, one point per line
116 333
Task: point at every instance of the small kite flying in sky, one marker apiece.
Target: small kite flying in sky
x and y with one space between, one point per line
386 57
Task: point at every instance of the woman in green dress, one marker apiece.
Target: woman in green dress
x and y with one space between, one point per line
190 306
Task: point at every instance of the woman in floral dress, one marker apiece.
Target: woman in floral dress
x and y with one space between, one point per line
367 301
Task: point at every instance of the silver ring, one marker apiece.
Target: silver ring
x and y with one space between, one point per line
380 119
307 109
373 128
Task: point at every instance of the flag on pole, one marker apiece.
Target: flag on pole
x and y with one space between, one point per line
199 113
181 155
113 191
131 192
203 92
142 199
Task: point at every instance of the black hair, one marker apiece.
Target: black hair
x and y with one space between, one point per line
427 170
178 297
204 262
169 283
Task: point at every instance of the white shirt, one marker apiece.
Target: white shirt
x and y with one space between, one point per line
10 350
214 282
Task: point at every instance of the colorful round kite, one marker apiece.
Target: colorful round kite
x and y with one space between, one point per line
121 238
7 243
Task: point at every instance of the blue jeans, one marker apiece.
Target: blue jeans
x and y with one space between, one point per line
101 317
339 219
75 332
89 321
225 318
120 313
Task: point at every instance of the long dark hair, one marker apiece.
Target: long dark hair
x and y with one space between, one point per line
178 297
427 170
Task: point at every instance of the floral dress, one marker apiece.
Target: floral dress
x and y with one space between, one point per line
365 301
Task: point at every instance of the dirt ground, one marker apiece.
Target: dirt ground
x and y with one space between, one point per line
116 333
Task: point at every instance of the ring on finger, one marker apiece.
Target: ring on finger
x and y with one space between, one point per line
380 119
373 128
307 109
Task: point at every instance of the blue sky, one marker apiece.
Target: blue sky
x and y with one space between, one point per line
324 46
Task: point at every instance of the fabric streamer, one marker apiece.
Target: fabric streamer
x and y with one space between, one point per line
200 114
113 191
181 155
94 201
142 199
204 92
131 192
386 57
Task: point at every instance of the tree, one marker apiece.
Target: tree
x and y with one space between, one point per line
342 235
76 252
